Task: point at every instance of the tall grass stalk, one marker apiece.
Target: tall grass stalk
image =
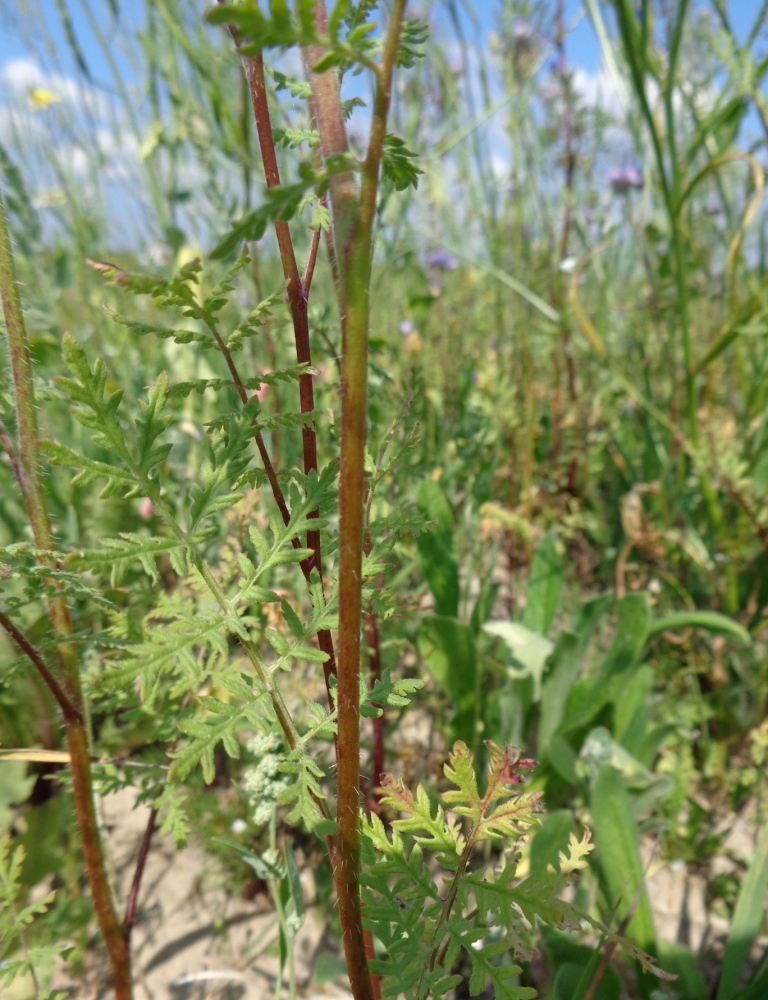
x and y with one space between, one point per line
65 684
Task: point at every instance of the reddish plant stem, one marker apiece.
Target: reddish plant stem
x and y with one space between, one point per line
297 300
353 220
324 638
277 492
68 666
70 712
370 953
328 114
5 441
141 861
298 293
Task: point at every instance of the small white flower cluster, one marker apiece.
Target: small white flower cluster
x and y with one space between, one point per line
293 922
262 783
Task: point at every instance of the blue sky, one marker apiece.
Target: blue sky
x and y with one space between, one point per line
582 45
119 153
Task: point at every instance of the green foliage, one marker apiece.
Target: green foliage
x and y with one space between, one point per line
747 920
448 649
620 864
577 347
545 583
423 933
282 203
18 957
398 165
424 930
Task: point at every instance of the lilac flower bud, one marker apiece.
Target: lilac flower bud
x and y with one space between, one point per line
550 90
524 48
623 179
522 29
442 260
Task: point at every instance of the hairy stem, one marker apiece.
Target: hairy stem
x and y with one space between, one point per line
353 220
298 294
254 71
70 712
327 111
68 667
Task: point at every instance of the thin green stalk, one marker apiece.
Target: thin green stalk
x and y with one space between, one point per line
674 208
671 183
58 613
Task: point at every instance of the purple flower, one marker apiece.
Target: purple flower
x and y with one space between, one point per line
406 327
522 31
524 43
624 179
442 260
550 90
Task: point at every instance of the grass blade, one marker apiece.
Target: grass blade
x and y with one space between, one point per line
747 918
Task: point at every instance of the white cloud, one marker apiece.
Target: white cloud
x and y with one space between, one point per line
21 76
598 90
64 133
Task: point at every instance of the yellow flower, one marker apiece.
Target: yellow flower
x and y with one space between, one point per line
41 99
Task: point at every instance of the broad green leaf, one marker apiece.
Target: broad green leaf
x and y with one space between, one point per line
565 669
747 919
564 672
710 621
563 759
683 963
529 649
600 748
448 648
619 855
436 549
631 636
570 977
584 622
432 500
550 839
442 572
544 585
630 706
15 786
757 990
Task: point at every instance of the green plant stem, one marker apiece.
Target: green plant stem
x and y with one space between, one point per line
353 227
68 666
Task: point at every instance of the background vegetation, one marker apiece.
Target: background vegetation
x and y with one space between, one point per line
567 458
